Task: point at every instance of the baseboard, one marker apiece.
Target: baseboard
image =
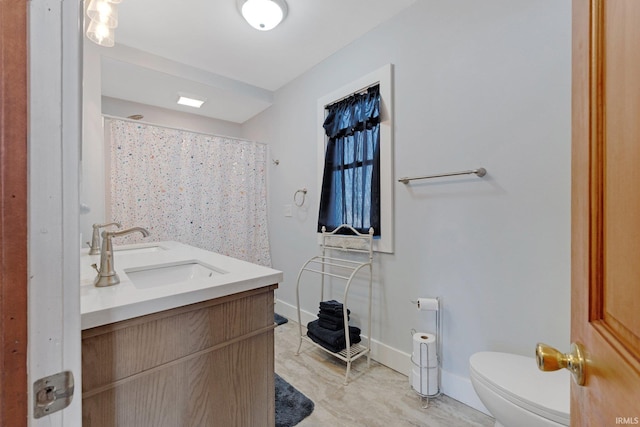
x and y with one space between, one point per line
454 386
290 312
461 389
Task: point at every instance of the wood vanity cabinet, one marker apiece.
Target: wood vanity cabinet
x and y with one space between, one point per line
206 364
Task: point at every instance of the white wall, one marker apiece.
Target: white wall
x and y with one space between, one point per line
476 84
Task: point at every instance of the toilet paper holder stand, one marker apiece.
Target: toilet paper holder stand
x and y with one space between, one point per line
425 396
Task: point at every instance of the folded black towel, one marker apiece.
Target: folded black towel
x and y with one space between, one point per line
328 346
332 322
333 326
332 307
330 304
332 340
332 317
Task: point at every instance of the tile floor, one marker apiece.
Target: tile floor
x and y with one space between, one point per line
375 396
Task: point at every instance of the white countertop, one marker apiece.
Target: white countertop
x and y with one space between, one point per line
101 306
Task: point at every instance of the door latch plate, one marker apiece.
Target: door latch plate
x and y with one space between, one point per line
52 393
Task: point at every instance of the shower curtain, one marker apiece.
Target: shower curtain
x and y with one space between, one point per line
203 190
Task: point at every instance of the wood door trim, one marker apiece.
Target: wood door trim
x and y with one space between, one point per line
13 213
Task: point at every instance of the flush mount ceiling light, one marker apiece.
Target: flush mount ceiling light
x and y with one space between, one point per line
263 15
190 101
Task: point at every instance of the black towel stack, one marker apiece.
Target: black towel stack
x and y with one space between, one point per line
328 330
331 315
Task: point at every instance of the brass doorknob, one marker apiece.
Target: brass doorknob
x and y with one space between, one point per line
550 359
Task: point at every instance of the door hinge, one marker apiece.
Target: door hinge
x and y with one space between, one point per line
52 393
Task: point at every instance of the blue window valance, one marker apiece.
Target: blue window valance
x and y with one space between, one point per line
351 179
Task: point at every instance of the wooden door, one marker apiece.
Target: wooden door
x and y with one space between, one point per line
606 210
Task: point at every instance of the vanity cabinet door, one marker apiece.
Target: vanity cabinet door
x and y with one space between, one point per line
209 364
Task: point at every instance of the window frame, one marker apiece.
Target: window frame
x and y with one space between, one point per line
382 76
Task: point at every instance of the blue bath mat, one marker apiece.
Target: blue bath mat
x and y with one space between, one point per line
279 320
291 405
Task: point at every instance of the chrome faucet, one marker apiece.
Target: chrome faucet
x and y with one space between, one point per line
107 275
95 237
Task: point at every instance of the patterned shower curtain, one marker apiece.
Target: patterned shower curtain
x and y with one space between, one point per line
203 190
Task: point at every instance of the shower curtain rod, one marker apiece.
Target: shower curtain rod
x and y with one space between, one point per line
108 116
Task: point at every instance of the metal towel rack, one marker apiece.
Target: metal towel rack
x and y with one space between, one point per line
479 172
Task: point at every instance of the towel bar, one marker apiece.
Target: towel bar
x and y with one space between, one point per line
479 172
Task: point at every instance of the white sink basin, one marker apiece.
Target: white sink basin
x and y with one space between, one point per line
137 250
170 274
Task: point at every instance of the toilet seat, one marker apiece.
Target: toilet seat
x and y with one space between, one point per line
517 379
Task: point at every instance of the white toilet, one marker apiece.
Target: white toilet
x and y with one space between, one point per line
517 393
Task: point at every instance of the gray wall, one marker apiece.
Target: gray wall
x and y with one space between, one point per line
476 84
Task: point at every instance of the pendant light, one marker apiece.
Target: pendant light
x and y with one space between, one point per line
103 11
103 15
101 34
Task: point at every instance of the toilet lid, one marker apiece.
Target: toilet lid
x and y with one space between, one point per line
518 379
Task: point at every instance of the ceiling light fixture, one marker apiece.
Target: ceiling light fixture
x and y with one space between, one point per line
103 11
104 18
190 101
263 15
101 34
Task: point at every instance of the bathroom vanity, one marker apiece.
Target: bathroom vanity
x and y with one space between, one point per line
185 339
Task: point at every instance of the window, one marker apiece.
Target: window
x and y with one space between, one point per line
355 157
351 179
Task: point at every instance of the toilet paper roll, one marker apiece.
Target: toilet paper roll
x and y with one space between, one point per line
427 384
425 351
427 304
